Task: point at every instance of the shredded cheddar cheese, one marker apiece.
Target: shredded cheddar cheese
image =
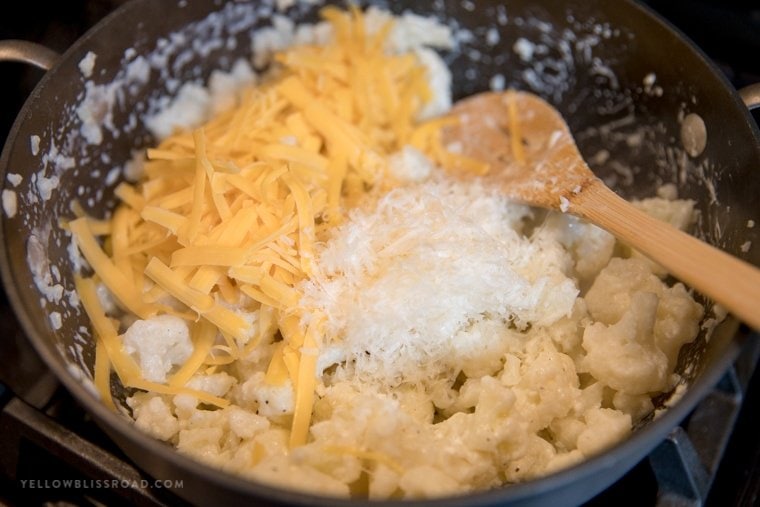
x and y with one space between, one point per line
228 214
516 140
102 376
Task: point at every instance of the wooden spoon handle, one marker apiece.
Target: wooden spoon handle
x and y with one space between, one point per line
731 282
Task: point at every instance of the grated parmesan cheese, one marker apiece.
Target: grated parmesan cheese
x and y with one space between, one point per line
401 284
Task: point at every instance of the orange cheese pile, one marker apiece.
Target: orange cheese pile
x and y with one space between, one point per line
226 217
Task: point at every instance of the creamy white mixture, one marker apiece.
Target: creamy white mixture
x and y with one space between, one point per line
503 353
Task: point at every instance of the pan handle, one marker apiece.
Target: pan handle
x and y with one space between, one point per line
751 95
28 52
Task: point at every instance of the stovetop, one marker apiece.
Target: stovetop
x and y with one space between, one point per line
713 459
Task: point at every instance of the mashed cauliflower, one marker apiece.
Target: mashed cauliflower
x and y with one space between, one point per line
500 401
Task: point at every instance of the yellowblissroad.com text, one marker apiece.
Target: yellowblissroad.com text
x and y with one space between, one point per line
99 483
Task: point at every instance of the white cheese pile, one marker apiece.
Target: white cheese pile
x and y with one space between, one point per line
406 285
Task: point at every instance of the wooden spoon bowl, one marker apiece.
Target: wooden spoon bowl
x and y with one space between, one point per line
533 159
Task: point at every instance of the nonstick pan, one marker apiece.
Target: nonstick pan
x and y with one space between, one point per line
625 80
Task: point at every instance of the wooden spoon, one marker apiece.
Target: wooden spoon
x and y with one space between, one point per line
539 164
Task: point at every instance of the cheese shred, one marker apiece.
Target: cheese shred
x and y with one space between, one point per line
515 129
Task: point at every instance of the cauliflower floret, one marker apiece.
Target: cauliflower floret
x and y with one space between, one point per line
368 416
590 246
537 455
636 405
624 355
678 317
553 298
271 401
280 471
383 482
205 419
217 384
547 255
383 426
416 403
245 424
567 333
202 443
610 295
604 428
510 373
271 442
548 386
564 460
565 432
158 344
480 347
494 400
467 397
337 462
153 416
591 396
471 447
184 405
425 481
679 213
